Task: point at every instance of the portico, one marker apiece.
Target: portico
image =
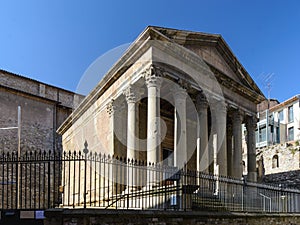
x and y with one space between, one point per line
165 121
175 98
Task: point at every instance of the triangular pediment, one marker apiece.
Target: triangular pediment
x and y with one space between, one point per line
214 51
211 56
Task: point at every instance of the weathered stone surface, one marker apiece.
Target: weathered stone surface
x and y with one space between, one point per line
43 109
118 217
279 165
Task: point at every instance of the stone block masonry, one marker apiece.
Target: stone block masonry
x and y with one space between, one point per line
43 109
279 165
105 217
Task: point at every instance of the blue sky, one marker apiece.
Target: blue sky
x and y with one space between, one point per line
56 41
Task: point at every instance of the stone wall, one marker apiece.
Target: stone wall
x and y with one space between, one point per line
290 179
279 164
36 88
288 158
101 217
43 109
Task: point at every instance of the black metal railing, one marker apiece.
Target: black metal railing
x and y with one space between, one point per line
120 183
30 181
41 180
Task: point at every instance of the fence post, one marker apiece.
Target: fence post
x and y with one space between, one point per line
85 151
18 181
243 194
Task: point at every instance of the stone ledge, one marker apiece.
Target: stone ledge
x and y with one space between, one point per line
153 213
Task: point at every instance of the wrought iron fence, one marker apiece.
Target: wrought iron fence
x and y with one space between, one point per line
41 180
30 181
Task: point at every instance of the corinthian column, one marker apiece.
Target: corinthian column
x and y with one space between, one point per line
237 143
202 134
132 96
221 131
219 117
251 150
153 82
110 108
180 132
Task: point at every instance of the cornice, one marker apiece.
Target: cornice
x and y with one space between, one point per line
184 37
237 87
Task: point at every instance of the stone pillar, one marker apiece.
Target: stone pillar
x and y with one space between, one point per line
132 96
180 130
110 108
108 177
237 143
153 82
220 111
251 149
229 149
202 135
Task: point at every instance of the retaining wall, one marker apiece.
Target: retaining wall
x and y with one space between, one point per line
134 217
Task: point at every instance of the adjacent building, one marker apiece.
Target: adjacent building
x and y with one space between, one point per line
43 108
279 123
277 142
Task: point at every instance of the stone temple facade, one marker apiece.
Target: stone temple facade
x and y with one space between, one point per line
175 97
43 109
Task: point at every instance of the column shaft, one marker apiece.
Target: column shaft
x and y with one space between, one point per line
229 150
251 150
237 143
180 130
131 98
221 139
153 82
111 110
202 136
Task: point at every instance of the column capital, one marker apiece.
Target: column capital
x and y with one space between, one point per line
223 107
238 116
219 106
132 94
153 76
201 102
179 92
251 122
184 84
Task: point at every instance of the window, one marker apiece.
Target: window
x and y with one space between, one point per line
280 115
291 134
275 161
277 135
262 134
291 114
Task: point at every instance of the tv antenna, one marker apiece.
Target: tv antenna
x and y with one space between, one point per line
267 80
